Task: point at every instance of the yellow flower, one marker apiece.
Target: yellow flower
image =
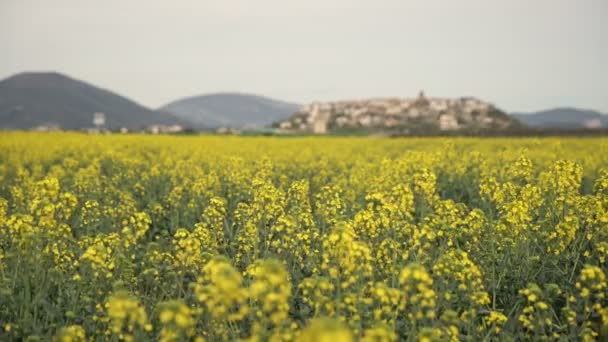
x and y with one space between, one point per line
177 321
72 333
325 330
126 314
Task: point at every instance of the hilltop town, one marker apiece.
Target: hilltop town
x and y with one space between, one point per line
419 113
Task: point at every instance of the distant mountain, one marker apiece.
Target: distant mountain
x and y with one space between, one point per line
419 115
32 99
570 118
231 110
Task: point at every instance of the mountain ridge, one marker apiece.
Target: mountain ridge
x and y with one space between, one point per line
32 99
231 109
563 118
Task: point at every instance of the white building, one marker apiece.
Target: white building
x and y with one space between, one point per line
447 122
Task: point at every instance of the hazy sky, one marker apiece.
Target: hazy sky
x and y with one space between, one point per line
518 54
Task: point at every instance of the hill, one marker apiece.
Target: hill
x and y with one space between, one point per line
564 118
231 110
32 99
419 115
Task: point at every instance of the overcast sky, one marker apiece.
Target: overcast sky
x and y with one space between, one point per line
521 55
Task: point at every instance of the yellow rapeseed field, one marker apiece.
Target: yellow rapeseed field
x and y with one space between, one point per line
213 238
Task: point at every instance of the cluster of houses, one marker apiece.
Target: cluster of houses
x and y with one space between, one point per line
444 113
421 112
99 126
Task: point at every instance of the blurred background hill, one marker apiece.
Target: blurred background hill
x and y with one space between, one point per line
231 110
51 100
35 99
564 118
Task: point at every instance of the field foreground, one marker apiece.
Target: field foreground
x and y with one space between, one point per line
308 239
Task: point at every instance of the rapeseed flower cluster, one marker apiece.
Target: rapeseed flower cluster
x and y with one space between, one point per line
177 322
126 316
73 333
